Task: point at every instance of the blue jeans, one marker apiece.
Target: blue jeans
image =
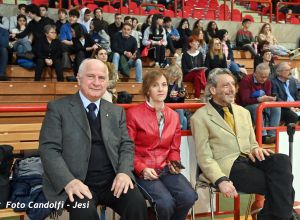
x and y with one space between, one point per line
182 118
272 120
132 63
172 195
3 60
279 50
22 46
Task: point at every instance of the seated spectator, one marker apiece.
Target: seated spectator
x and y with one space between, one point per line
173 36
136 33
198 25
234 67
99 35
266 57
254 89
127 19
155 37
244 38
4 22
265 33
211 31
116 26
87 153
3 53
65 37
13 19
49 54
110 94
176 92
284 87
62 19
98 14
35 26
157 163
124 48
229 156
192 66
184 33
215 58
263 45
83 45
147 23
203 48
85 18
22 46
44 12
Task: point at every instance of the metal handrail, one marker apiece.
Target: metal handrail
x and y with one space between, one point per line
283 3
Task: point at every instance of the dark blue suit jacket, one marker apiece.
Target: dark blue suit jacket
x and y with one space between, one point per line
279 90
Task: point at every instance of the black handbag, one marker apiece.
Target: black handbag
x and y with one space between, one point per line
6 162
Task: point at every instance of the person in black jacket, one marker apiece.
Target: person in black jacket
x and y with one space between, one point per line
284 86
215 58
116 26
125 56
49 53
191 63
35 26
211 31
3 52
184 32
83 45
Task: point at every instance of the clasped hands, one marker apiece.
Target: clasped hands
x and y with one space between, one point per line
121 184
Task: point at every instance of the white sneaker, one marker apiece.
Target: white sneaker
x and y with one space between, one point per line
294 53
156 64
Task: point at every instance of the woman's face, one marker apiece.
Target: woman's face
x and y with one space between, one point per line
194 44
267 56
158 90
150 19
201 35
200 25
102 55
134 23
225 38
51 34
172 78
217 44
160 21
214 26
21 21
267 28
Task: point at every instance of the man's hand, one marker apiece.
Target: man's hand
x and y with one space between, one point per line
266 98
49 62
121 184
227 189
295 109
150 174
259 153
78 188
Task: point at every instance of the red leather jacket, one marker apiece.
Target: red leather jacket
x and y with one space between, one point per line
151 150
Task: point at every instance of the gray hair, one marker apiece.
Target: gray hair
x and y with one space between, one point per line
280 67
48 27
85 62
262 67
212 80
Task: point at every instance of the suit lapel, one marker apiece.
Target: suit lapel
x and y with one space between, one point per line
79 114
217 119
105 121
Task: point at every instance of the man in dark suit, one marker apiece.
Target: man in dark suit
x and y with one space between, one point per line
285 88
86 152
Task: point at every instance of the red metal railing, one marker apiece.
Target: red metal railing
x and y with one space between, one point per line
261 1
283 3
259 116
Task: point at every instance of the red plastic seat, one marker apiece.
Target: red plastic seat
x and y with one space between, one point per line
92 6
236 15
210 15
198 13
124 10
108 9
169 13
295 20
249 17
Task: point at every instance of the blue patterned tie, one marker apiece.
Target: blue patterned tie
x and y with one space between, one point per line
91 114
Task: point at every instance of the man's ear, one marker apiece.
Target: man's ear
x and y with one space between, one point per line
212 90
78 79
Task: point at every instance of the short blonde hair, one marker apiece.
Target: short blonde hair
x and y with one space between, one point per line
175 70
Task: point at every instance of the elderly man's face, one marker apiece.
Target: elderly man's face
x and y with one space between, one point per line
93 80
225 90
285 72
262 76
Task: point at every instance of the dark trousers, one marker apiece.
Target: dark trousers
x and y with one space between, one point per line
158 53
40 64
172 45
172 196
248 47
129 206
79 57
288 116
272 178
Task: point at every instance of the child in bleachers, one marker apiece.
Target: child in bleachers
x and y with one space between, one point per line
184 32
176 91
211 31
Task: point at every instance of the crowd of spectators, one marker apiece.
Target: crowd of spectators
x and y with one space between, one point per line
78 35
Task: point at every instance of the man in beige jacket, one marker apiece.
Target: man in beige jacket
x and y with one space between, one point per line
229 155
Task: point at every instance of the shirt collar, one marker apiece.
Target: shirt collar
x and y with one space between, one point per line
86 101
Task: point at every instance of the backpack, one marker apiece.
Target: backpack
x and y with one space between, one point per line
6 162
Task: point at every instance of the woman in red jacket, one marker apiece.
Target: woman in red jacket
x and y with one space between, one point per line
155 130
